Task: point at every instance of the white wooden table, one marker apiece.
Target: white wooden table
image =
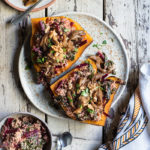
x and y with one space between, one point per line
130 19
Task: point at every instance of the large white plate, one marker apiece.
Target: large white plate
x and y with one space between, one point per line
18 4
100 31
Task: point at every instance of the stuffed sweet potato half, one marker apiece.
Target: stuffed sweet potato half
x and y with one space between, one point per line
86 93
56 43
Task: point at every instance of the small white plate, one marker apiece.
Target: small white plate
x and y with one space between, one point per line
100 31
19 114
18 4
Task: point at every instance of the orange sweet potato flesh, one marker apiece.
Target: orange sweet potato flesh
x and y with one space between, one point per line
35 23
107 106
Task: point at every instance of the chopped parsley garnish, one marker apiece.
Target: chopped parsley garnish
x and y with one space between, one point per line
27 129
81 106
49 43
90 101
114 72
85 92
90 110
74 95
27 67
101 88
41 60
65 56
70 100
87 62
72 58
52 51
96 45
113 90
66 30
104 42
77 85
100 45
91 76
57 60
90 68
76 49
64 49
32 54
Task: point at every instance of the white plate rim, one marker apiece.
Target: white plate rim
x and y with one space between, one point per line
117 37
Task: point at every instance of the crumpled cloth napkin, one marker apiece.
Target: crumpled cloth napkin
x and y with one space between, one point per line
134 128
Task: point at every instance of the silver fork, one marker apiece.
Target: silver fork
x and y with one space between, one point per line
17 19
24 26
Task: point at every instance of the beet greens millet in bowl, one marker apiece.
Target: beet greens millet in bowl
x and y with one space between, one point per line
24 131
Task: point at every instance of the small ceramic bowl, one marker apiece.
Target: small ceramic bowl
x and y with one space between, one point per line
19 114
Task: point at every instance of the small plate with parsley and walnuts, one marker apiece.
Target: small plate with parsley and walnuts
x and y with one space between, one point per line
103 39
22 131
22 5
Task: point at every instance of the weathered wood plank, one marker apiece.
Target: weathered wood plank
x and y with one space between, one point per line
130 19
13 98
143 27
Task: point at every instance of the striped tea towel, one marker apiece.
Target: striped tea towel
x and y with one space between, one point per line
134 128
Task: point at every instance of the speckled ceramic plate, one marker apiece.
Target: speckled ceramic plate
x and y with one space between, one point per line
19 114
100 32
18 4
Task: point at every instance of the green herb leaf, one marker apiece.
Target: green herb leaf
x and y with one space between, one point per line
41 60
57 60
65 56
64 49
70 100
66 30
91 76
76 49
90 110
74 95
101 33
52 51
96 45
90 101
87 62
72 57
101 88
90 68
81 106
32 54
27 67
50 42
77 85
114 72
85 92
104 42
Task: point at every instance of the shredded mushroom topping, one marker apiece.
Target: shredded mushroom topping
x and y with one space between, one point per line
56 42
84 93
